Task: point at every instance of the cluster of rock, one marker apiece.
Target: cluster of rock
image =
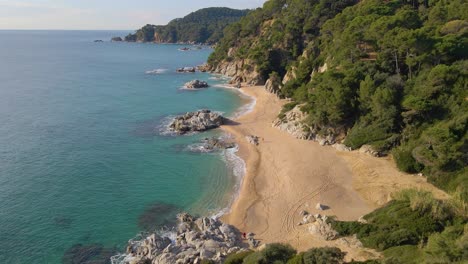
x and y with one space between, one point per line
203 68
186 70
196 240
116 39
318 225
215 143
196 84
197 121
293 123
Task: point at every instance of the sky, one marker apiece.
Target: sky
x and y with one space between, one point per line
103 14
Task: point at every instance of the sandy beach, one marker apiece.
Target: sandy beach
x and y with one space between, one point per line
287 175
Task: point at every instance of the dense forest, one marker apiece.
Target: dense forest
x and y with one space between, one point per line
203 26
388 73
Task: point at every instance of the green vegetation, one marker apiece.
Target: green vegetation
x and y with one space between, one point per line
395 76
281 253
203 26
414 228
237 258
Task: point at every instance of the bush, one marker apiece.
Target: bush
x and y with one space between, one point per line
298 259
405 161
326 255
404 254
237 258
273 253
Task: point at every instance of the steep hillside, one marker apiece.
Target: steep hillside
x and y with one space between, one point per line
391 74
203 26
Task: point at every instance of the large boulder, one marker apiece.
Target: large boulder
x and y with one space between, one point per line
196 84
197 121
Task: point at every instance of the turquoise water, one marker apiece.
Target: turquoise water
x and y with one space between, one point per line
81 161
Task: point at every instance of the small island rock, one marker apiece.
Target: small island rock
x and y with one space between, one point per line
116 39
197 121
196 84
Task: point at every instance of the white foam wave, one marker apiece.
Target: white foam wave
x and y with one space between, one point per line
238 167
199 148
156 71
245 108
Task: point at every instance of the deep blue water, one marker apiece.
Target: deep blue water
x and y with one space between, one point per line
81 160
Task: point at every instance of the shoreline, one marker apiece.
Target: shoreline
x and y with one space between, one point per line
285 175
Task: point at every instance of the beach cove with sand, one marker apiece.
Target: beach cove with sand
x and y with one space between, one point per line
286 175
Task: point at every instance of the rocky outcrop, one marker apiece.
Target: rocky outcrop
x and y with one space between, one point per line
290 75
195 240
215 143
116 39
186 70
158 38
197 121
293 123
320 227
203 68
241 71
368 149
196 84
273 84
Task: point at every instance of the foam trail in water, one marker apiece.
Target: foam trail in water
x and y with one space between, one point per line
156 71
244 109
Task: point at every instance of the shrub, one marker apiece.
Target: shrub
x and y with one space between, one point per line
298 259
273 253
237 258
326 255
405 161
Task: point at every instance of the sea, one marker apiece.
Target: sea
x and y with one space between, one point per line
86 161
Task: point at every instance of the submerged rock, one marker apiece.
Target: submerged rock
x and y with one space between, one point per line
158 215
197 121
196 84
94 253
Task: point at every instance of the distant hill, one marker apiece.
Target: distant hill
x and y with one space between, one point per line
203 26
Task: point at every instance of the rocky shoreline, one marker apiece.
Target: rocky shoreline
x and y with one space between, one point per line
196 240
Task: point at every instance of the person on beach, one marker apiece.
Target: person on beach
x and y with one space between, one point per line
244 235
